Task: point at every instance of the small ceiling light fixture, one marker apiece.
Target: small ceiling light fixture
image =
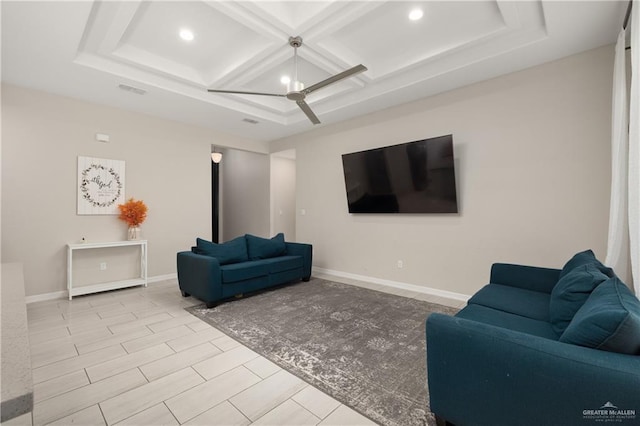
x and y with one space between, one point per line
416 14
216 157
285 79
186 34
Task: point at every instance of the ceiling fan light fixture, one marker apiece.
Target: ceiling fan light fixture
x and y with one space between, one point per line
285 79
186 34
416 14
295 86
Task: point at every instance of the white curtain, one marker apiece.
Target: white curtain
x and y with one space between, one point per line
623 245
634 148
618 241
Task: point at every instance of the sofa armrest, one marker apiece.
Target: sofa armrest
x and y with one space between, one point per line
526 277
486 375
306 251
200 276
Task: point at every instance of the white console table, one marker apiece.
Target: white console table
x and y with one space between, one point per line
112 285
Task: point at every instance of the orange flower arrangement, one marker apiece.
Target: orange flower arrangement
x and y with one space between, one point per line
133 212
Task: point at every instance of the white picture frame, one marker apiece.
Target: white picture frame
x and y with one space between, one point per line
100 185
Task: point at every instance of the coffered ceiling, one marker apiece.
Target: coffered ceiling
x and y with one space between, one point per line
88 49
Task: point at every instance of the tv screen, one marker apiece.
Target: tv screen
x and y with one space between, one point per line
413 177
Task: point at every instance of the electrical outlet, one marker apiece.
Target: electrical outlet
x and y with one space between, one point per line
103 266
400 264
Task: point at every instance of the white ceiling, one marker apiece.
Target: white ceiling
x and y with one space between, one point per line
86 49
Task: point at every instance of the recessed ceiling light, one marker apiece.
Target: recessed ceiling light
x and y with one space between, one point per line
285 79
416 14
186 34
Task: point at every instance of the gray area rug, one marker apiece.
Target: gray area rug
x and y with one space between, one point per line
365 348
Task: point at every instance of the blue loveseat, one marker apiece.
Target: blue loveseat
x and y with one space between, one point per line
215 272
539 346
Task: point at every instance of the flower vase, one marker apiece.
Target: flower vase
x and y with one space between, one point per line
133 233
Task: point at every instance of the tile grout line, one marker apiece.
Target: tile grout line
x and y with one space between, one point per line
180 393
196 371
303 407
61 393
55 396
102 413
334 410
171 412
145 377
237 408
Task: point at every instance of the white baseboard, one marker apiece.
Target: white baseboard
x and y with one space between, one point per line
64 294
395 284
46 296
159 278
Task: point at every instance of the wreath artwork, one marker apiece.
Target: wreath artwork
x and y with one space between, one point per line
101 185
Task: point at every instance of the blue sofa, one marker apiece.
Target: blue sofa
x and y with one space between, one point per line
539 346
215 272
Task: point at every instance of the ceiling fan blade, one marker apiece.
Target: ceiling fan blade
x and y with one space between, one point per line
344 74
237 92
305 108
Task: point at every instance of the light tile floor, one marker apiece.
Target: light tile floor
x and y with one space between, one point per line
136 357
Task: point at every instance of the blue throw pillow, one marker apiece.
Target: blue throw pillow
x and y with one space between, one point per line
233 251
583 258
609 320
265 248
570 293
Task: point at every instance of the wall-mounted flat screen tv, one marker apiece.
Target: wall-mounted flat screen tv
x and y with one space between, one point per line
413 177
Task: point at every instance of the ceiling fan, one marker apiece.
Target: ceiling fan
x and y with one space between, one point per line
295 88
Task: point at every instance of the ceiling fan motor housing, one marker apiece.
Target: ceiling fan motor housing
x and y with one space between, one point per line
295 42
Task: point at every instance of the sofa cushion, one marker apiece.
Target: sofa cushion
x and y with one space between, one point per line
583 258
503 319
283 263
608 320
265 248
514 300
233 251
570 293
243 271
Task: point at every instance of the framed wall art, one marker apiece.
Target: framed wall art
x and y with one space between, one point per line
100 185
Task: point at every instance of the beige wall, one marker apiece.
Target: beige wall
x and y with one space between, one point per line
533 173
283 197
167 166
244 194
